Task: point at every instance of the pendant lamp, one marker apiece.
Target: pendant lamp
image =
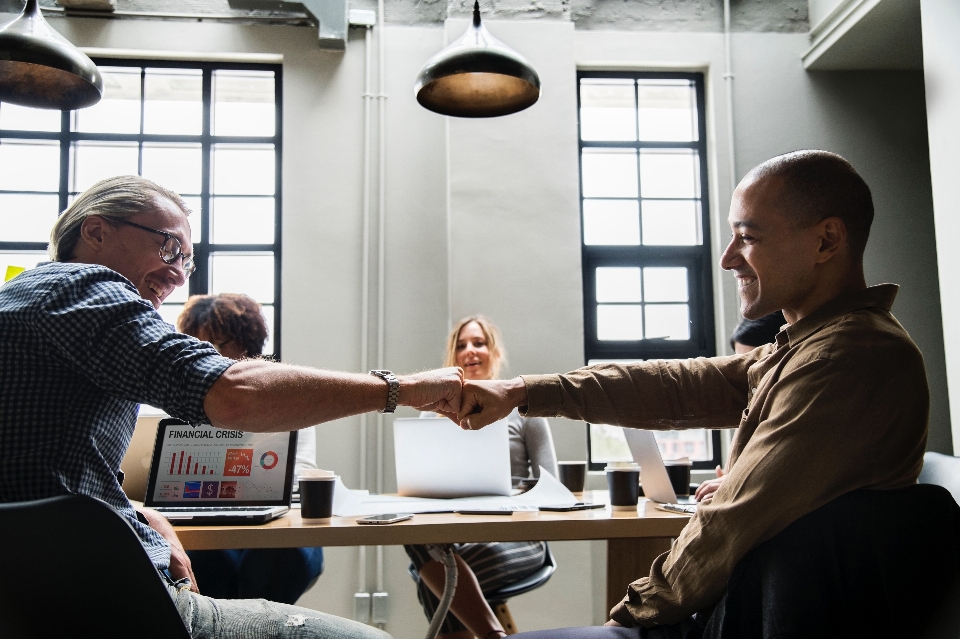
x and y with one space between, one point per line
477 76
39 68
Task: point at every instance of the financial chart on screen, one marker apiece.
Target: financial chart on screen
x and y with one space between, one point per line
207 463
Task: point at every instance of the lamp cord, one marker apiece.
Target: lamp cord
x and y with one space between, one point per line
449 588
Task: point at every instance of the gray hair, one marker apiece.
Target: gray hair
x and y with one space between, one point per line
114 198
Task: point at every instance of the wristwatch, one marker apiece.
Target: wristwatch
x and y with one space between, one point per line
393 390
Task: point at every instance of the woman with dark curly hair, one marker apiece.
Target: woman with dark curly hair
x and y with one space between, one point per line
234 324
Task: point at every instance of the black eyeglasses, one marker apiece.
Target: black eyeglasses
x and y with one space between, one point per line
170 250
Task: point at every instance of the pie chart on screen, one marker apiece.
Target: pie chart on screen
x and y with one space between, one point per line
269 459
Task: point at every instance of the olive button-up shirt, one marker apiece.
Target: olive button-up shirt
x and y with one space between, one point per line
839 403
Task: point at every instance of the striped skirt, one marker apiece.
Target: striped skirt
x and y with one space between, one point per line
496 564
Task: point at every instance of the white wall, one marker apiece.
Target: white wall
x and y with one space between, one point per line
941 64
488 210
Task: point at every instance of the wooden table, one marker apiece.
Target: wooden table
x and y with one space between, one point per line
634 538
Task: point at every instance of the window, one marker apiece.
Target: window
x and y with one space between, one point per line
647 289
209 131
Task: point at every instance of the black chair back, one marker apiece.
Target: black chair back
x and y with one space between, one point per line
75 568
868 564
532 582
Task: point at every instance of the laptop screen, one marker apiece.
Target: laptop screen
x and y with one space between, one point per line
203 465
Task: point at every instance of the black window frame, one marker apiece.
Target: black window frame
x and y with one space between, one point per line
199 282
697 259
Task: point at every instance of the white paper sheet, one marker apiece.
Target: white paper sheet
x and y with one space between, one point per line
355 503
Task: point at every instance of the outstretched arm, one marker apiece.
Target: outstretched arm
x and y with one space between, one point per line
256 395
484 402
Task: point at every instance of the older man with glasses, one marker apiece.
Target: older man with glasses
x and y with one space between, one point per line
81 344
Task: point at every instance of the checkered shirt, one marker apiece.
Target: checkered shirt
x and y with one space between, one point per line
79 349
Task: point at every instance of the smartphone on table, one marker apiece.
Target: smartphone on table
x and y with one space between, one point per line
571 507
388 518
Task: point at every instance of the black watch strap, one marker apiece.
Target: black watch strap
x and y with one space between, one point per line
393 389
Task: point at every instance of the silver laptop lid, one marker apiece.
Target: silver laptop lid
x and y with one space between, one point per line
653 474
204 466
435 458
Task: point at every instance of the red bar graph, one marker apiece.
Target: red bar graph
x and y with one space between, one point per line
194 462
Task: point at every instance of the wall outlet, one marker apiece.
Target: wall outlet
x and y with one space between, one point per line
361 607
379 607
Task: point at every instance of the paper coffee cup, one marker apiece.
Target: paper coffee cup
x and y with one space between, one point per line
316 495
623 480
572 474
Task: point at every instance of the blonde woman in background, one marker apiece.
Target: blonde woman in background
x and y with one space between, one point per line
474 345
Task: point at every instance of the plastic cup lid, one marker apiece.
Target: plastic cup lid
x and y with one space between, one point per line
316 473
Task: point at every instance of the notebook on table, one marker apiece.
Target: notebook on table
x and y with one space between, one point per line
653 474
435 458
209 476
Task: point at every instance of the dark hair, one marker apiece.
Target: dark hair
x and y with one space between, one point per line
759 331
820 184
227 316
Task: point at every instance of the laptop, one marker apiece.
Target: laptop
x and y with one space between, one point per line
210 476
437 459
653 474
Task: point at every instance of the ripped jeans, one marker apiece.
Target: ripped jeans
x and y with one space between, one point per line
207 618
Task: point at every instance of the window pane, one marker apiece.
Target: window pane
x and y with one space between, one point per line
238 220
671 222
95 161
173 101
665 284
20 259
670 173
616 284
247 273
243 103
268 317
693 443
609 173
193 203
621 322
607 110
119 109
668 320
608 444
244 170
27 218
667 110
30 165
178 167
170 313
21 118
179 295
611 222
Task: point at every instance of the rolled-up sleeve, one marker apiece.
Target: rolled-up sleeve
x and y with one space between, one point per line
660 395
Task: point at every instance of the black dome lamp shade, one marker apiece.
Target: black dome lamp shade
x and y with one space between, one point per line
477 76
39 68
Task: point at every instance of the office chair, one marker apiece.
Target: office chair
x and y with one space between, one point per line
498 598
74 567
871 563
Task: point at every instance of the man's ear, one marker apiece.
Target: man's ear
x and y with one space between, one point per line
832 234
93 232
